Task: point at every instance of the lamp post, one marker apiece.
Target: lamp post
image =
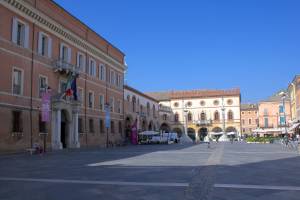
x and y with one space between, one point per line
185 110
283 97
223 116
107 122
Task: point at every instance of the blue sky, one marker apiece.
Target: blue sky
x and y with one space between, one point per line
193 44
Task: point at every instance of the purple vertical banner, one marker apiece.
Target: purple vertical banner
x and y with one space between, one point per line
134 133
46 106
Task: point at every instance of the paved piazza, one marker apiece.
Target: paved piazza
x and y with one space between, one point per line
225 171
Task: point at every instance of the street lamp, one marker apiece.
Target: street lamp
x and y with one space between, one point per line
283 97
223 115
185 110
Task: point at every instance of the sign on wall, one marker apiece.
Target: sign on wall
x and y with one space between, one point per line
107 116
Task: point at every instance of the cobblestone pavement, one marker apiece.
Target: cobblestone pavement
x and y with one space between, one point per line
224 171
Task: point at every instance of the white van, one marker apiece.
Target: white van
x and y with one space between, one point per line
165 138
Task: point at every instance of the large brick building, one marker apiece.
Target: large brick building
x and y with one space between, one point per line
42 46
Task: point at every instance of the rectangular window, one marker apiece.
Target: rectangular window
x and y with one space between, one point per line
62 86
121 81
101 102
42 125
80 61
112 77
101 124
243 122
102 72
65 53
17 81
91 100
266 122
80 125
91 125
80 94
282 120
250 121
281 109
43 84
119 106
20 33
44 45
265 111
117 80
17 125
112 126
92 70
111 104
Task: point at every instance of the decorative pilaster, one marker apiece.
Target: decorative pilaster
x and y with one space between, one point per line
56 129
74 143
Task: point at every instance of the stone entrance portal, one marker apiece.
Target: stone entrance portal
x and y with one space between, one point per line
65 124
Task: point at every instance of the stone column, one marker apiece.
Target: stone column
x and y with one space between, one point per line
197 138
56 129
74 131
74 136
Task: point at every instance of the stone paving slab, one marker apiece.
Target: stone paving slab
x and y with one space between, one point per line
195 168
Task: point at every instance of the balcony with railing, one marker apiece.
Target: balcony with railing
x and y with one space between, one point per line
62 66
162 108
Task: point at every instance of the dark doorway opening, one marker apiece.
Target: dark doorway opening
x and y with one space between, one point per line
202 133
63 134
63 129
191 133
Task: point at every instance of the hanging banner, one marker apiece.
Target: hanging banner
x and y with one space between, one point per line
107 116
134 138
46 106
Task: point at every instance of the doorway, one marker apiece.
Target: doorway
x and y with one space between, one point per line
202 133
63 130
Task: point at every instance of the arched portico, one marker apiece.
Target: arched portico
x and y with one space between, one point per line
150 126
165 127
202 133
231 129
191 133
217 130
178 131
144 125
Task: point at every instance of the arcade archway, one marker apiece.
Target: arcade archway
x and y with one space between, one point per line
165 128
191 133
202 133
178 131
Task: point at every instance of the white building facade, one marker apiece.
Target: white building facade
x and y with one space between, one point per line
203 112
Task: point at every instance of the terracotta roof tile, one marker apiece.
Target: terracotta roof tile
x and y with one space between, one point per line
193 94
